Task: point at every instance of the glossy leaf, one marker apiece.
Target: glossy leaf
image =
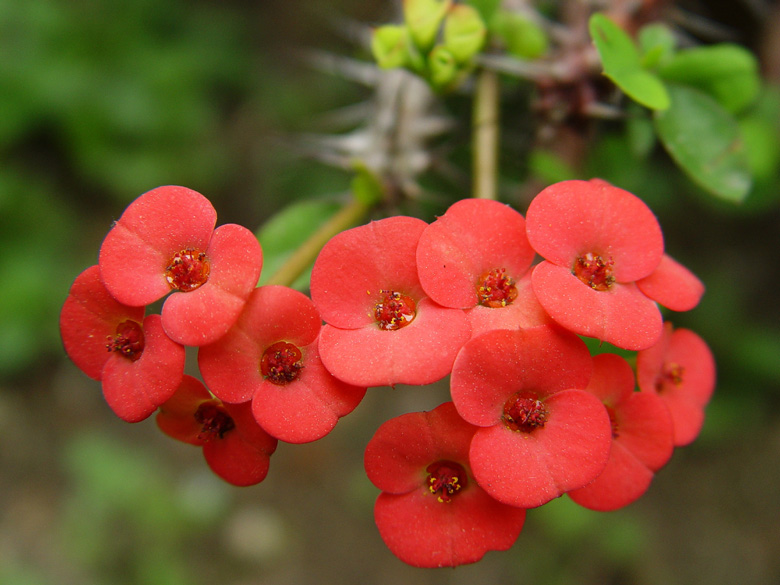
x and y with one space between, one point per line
727 72
622 64
705 141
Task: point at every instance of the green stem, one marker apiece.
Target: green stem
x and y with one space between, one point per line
485 136
349 216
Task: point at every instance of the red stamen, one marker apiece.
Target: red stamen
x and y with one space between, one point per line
594 271
128 340
187 270
214 421
395 311
281 363
524 414
495 289
446 479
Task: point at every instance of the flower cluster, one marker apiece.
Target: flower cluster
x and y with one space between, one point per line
531 414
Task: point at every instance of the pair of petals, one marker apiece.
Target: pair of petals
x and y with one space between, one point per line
527 469
133 388
418 528
352 273
161 223
302 410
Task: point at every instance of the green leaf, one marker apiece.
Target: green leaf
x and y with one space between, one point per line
705 141
523 37
727 72
281 235
464 32
622 64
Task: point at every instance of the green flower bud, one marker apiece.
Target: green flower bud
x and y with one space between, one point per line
464 32
390 46
423 17
443 67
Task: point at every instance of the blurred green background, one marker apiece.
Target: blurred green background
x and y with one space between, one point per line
102 100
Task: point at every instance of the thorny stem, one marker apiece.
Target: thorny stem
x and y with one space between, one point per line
349 215
485 136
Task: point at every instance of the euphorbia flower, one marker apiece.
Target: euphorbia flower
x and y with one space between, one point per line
641 437
270 357
541 433
474 257
236 448
596 241
679 368
138 365
431 512
381 328
165 241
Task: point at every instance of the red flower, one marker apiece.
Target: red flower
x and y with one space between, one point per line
270 357
474 257
431 512
382 329
597 241
679 368
672 285
165 241
234 445
641 437
138 365
542 434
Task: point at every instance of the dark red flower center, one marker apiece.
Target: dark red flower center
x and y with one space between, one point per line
594 271
446 479
214 421
187 270
281 363
495 289
613 421
128 340
671 375
394 311
523 413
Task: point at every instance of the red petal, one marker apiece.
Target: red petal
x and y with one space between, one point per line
176 417
472 238
645 428
622 316
572 218
420 353
205 314
134 389
356 265
154 227
88 317
673 286
613 379
424 532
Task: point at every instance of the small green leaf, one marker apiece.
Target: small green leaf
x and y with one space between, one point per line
640 131
656 43
486 8
283 233
727 72
705 141
464 32
622 64
390 46
423 17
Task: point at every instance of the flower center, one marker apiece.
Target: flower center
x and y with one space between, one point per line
495 289
128 340
446 479
594 271
214 421
281 363
187 270
395 311
613 421
671 375
524 414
